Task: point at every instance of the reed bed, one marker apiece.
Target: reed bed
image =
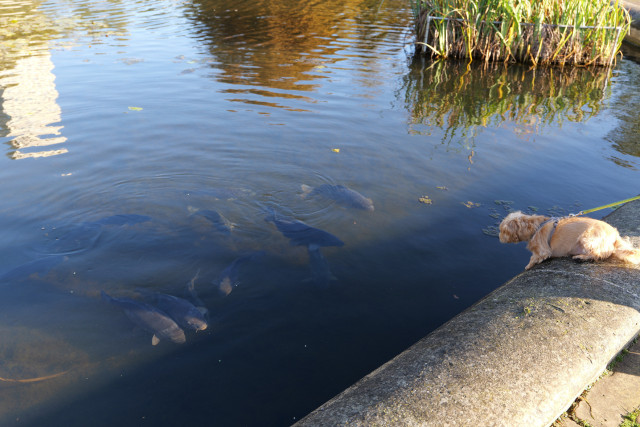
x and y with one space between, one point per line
540 32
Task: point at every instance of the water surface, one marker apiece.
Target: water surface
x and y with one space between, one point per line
159 110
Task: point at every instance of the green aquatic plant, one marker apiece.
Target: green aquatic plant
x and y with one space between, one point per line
541 32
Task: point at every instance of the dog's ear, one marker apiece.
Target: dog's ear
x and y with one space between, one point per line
509 228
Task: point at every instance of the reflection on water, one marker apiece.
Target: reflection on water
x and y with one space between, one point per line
29 95
624 138
269 51
30 112
459 98
29 99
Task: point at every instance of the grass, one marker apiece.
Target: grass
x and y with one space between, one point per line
632 419
540 32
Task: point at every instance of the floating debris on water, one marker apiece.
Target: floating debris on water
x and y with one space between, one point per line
492 230
442 187
556 210
493 213
506 204
426 200
471 204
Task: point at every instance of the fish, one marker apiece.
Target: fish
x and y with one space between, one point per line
301 234
221 223
33 269
320 273
193 295
229 276
185 314
149 318
342 195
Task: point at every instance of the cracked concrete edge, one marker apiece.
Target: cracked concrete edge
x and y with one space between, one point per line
519 356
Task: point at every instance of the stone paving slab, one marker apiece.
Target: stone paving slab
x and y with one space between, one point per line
613 396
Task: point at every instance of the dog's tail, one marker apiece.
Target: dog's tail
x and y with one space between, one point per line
626 252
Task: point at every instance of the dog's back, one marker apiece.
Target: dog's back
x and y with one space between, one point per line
591 239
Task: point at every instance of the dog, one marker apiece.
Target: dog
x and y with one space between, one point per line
582 238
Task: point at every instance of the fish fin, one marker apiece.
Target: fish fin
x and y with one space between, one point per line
155 340
305 190
193 280
105 297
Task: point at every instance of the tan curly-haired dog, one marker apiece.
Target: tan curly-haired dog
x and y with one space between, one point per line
582 238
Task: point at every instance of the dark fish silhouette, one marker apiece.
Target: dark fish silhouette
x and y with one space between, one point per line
74 238
320 273
180 310
342 195
149 318
38 268
302 234
193 295
221 223
229 276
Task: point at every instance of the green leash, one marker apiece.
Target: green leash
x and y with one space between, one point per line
606 206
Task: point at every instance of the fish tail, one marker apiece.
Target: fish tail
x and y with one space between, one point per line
105 297
193 280
270 215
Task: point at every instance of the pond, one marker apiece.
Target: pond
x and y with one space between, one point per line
287 166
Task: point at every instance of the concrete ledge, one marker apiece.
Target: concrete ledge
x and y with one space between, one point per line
520 356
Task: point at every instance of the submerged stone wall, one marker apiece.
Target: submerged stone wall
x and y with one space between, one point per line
520 356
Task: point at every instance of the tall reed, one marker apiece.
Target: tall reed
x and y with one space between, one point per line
580 32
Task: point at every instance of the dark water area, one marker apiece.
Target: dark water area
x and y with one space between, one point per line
149 146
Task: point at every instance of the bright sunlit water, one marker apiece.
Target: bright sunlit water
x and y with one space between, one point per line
125 125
